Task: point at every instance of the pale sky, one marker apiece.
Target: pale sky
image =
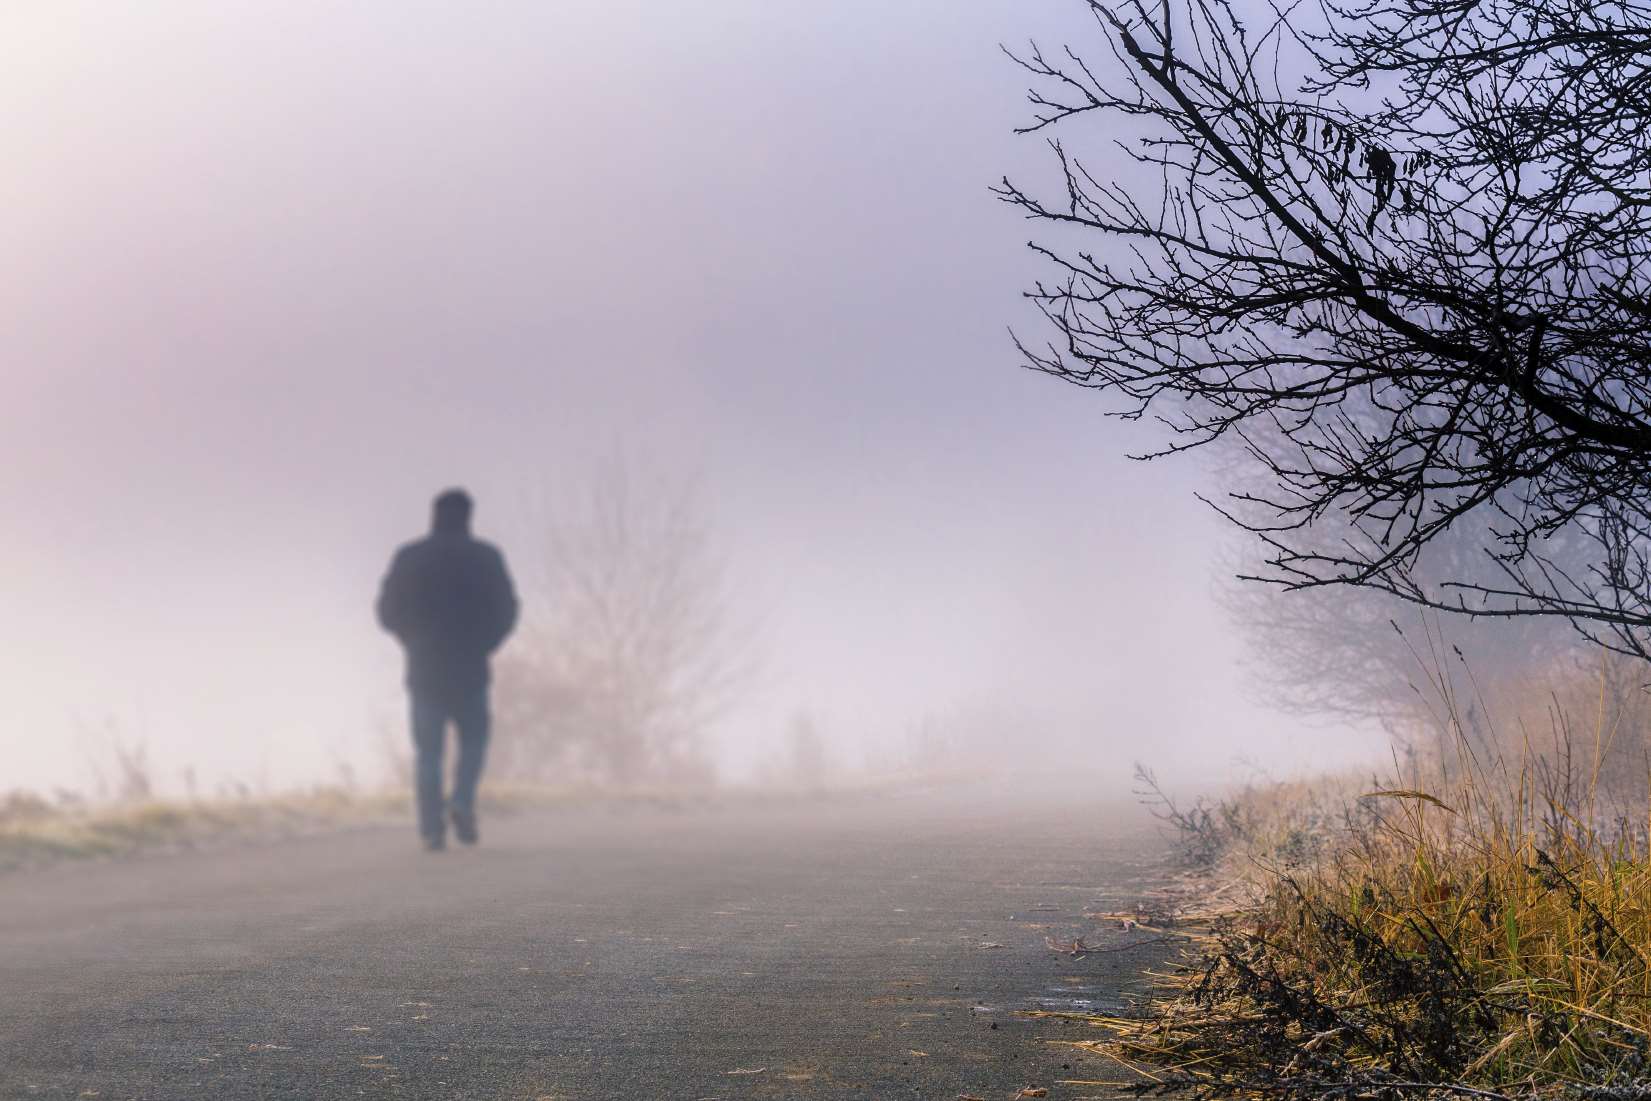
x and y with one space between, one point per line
273 274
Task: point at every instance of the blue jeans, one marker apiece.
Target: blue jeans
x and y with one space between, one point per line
431 715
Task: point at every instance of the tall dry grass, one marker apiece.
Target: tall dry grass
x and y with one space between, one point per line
1476 923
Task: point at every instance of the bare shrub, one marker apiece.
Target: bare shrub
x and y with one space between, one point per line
629 648
801 761
118 761
24 807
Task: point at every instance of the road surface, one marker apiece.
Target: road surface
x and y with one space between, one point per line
879 948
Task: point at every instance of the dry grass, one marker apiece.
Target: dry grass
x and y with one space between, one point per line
1476 927
34 832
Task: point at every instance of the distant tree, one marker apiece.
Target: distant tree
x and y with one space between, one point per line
1359 654
631 644
1395 250
805 764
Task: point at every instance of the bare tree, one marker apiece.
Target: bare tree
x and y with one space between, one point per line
1396 252
631 646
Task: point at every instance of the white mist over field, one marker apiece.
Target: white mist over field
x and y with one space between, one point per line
272 275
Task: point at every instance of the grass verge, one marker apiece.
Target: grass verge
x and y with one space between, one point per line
1481 931
35 833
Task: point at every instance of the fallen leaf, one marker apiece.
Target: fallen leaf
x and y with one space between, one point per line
747 1070
1032 1091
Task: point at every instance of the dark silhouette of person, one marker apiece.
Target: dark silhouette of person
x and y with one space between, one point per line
449 600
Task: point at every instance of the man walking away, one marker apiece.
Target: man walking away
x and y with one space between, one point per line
449 600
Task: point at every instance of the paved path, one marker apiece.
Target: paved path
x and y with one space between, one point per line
875 949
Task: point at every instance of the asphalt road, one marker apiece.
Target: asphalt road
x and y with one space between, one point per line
869 949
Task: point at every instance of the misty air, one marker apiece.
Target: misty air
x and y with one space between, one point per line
964 551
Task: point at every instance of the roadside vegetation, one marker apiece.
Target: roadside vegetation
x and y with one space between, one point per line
132 816
35 831
1474 921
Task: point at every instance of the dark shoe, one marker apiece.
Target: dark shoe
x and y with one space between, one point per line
435 844
464 826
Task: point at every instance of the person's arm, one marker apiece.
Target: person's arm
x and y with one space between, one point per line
503 606
392 597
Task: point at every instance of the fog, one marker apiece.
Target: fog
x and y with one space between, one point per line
274 275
